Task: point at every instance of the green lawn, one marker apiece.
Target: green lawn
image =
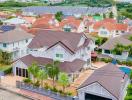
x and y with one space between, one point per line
4 67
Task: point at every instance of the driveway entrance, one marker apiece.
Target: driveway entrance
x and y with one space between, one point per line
95 97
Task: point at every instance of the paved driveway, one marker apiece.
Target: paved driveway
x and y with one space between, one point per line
5 95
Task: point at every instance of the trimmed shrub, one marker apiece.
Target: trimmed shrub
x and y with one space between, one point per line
8 70
37 84
27 80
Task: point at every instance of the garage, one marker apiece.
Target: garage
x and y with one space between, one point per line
21 72
94 97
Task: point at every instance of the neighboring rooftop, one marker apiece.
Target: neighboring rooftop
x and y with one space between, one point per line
68 67
68 40
14 35
110 77
112 42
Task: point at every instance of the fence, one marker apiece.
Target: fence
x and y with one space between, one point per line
43 91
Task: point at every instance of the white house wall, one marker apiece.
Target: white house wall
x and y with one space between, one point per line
18 64
20 46
95 89
108 33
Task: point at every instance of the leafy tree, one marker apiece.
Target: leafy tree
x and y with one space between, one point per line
111 15
130 38
129 92
104 16
53 70
1 23
130 75
63 80
33 70
99 41
59 16
6 57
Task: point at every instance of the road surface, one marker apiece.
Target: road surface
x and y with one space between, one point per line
5 95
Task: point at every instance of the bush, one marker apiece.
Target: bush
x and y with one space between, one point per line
54 89
106 60
27 80
37 84
46 86
69 93
8 70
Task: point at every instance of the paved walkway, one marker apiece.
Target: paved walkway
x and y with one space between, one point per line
82 77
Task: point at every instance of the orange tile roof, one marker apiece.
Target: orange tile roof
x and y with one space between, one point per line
70 21
110 24
29 19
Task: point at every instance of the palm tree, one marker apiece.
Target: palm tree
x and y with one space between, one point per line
63 80
42 75
33 70
53 70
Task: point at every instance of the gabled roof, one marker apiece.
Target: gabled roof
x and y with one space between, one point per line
14 35
68 67
48 38
110 77
112 42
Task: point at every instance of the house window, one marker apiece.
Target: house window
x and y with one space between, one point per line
26 40
103 32
117 31
67 29
88 48
122 31
107 51
59 55
4 45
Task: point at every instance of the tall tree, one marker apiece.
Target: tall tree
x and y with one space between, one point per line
63 80
53 70
59 16
111 15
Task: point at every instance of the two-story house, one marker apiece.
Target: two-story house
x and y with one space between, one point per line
112 30
73 50
15 41
109 28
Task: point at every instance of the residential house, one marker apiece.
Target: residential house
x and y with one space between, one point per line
68 24
71 49
106 83
15 41
109 28
110 44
